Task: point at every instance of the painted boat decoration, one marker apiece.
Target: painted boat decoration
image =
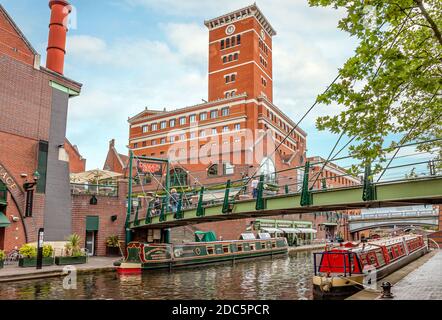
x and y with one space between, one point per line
342 271
147 256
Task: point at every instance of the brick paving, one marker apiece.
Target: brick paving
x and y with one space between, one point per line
424 283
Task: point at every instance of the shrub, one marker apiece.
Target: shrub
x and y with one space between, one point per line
73 246
112 241
28 251
2 255
48 251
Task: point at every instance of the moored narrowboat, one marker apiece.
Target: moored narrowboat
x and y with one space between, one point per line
147 256
344 270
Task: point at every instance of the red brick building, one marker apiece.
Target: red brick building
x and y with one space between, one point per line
33 108
115 162
233 135
76 161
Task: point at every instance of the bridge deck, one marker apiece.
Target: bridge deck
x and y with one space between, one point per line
411 192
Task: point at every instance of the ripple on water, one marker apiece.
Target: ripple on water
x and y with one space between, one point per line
283 278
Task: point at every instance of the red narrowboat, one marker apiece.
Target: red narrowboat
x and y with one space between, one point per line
345 269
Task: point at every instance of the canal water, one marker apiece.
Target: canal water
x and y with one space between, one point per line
283 278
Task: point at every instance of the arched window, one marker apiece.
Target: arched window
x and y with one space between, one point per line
224 59
268 169
228 168
227 79
233 41
230 58
212 170
236 56
222 44
228 43
233 77
238 39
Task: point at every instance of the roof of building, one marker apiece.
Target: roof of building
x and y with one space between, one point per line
17 29
240 14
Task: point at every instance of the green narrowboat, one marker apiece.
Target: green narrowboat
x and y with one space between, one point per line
147 256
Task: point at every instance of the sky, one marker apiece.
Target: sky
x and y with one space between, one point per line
132 54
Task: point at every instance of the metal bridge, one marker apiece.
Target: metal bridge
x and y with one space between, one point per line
422 186
370 221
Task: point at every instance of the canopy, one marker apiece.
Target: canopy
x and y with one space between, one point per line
4 221
290 230
93 176
205 236
329 224
271 230
307 230
247 236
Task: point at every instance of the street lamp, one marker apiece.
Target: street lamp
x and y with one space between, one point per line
29 189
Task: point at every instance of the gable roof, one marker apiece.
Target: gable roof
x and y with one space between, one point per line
17 29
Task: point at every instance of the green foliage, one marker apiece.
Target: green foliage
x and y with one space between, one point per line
2 255
112 241
392 86
48 251
72 247
28 251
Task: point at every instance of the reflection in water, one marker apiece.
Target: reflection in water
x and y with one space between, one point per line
286 278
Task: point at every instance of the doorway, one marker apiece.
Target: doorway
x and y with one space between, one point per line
90 242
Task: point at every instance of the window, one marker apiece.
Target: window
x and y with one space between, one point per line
135 145
163 140
183 137
238 39
230 58
202 133
154 142
225 111
225 129
192 135
222 44
227 79
144 143
228 168
235 56
237 126
203 116
212 170
213 114
154 126
268 169
172 139
214 131
182 121
233 41
163 125
172 123
145 128
227 95
224 59
228 43
232 77
192 118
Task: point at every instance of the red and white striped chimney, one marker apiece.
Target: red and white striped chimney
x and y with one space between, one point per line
58 27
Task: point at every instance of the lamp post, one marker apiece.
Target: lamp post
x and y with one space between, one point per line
29 189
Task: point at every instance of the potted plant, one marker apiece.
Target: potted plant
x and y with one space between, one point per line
28 254
2 258
73 252
112 245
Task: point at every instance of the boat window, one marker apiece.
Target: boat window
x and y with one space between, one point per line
252 246
372 258
210 250
380 257
239 247
273 244
226 249
263 245
390 253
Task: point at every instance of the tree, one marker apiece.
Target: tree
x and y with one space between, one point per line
393 83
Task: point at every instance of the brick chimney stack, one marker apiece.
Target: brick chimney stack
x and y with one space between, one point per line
60 10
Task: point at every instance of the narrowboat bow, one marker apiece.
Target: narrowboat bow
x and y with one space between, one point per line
344 270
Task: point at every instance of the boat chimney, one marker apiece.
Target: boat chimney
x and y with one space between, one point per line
60 10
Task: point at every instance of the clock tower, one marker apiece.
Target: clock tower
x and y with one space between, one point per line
240 55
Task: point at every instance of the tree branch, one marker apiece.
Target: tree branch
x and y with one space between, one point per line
436 30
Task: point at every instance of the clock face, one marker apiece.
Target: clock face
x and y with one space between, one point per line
230 29
263 34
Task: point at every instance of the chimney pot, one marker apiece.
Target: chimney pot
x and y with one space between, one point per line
56 50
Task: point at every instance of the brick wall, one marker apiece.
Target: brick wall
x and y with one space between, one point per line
106 207
76 162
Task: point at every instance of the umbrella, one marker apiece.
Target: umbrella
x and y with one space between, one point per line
94 176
